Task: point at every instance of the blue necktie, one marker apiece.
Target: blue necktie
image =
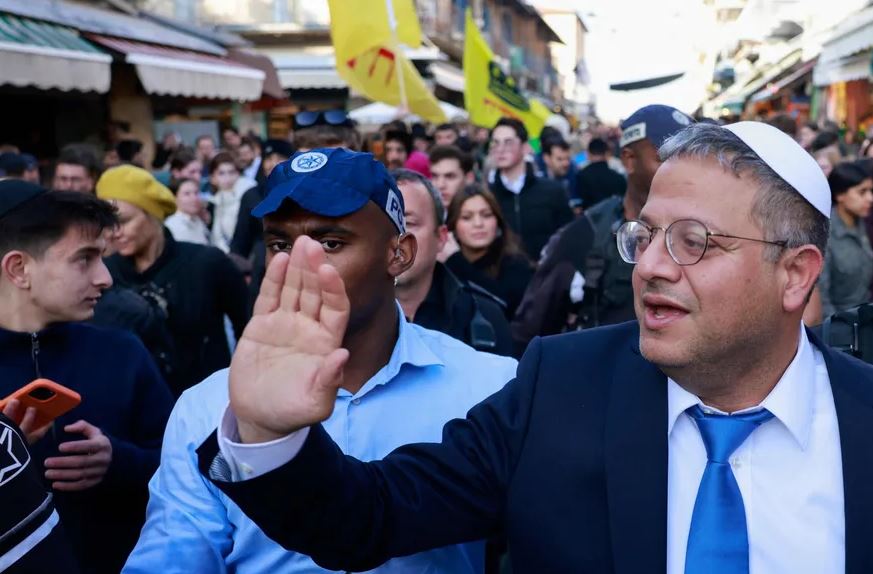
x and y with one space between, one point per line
718 542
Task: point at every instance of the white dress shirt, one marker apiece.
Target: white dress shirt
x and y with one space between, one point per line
251 171
188 228
789 472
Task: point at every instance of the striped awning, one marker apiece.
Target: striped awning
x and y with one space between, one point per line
174 72
49 56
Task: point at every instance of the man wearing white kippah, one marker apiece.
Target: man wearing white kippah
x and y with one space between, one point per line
712 435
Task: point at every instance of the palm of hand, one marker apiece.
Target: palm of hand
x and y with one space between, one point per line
287 367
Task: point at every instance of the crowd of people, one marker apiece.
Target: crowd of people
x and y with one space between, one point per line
450 249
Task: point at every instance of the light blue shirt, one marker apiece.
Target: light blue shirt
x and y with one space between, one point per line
191 526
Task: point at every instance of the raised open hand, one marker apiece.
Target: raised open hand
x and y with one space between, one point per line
288 365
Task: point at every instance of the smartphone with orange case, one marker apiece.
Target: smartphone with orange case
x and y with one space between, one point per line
50 400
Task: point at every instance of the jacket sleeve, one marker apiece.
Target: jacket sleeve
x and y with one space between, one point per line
136 458
351 515
33 539
233 293
186 529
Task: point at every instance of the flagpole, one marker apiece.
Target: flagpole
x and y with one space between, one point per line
392 23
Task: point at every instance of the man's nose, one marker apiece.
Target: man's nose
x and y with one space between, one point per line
656 262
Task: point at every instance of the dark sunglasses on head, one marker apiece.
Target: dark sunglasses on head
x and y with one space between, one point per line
322 118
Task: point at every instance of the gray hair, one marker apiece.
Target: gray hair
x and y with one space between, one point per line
409 176
781 212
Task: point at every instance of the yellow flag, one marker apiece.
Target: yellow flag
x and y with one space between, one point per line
365 36
489 94
357 25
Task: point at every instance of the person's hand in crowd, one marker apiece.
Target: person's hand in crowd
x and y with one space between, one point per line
288 365
84 462
450 248
13 410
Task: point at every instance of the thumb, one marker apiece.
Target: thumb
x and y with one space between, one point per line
330 375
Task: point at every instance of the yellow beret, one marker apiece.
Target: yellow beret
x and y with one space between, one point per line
137 187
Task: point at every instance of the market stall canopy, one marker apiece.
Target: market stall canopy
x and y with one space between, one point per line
448 75
49 56
87 18
845 56
174 72
734 98
308 68
790 80
379 113
272 87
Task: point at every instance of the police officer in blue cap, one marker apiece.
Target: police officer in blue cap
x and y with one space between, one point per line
344 216
608 294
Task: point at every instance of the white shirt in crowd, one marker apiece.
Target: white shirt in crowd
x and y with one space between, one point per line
251 172
188 228
226 212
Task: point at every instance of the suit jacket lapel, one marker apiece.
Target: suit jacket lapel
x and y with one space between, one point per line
636 465
852 387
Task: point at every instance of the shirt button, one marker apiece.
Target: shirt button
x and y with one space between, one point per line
736 463
247 470
356 402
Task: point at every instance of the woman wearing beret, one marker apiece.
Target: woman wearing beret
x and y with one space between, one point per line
197 286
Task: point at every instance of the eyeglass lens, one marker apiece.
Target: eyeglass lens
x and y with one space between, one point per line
686 240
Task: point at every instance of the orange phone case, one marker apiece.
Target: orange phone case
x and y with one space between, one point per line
50 400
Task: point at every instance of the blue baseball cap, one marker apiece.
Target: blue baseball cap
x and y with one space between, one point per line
655 123
333 182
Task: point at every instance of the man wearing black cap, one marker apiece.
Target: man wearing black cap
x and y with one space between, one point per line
21 166
402 381
98 457
608 295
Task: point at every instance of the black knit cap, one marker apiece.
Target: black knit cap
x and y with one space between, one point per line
14 193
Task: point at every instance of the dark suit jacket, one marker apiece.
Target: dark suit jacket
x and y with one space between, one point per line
569 459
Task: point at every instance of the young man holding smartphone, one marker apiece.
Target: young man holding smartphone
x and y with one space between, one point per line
98 457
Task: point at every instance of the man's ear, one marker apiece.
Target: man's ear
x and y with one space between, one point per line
627 159
14 267
442 237
402 254
469 178
800 269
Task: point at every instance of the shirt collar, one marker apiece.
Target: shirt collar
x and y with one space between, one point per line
410 349
514 186
791 401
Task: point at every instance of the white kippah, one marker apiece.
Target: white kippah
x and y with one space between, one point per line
785 156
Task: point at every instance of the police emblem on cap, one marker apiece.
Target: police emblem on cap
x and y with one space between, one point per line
13 454
309 161
394 211
681 118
